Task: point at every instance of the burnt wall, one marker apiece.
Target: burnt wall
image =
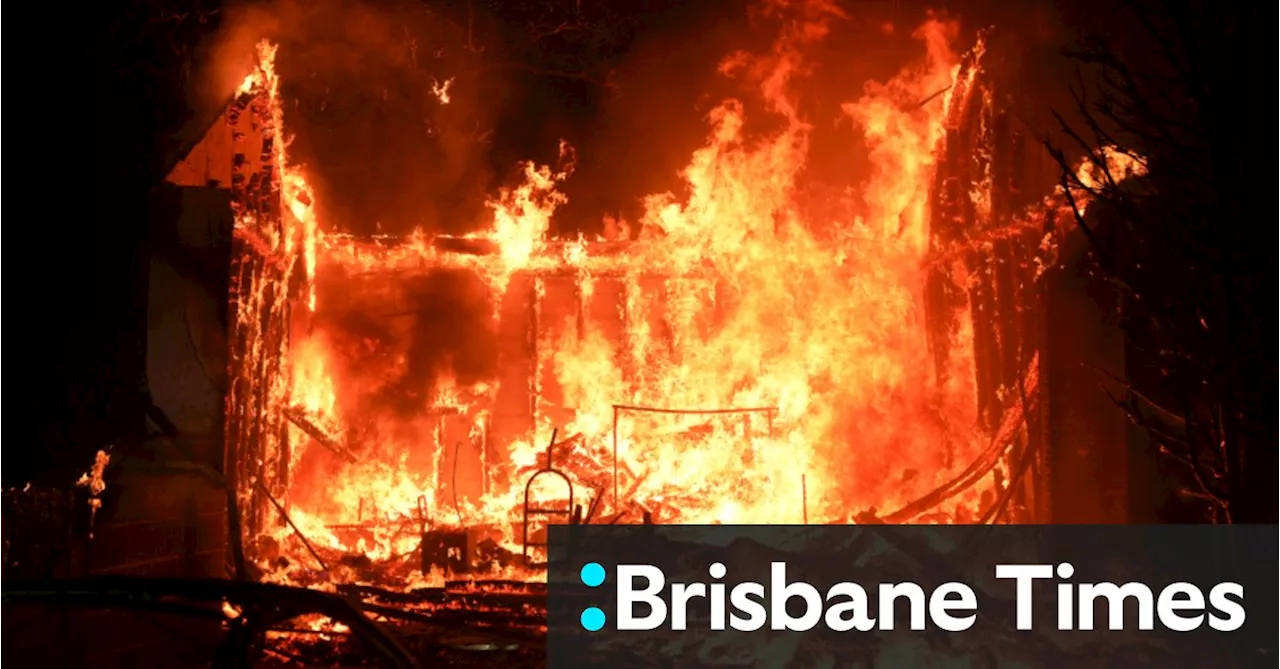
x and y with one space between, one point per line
187 314
164 511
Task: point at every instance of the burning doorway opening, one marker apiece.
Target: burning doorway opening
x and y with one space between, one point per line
726 360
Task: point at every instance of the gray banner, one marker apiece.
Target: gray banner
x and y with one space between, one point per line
913 596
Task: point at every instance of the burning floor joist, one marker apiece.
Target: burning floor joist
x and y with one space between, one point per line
462 624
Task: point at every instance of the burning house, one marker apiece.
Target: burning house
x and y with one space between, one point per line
730 358
412 411
345 427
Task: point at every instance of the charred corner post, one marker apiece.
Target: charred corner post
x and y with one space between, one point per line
1005 271
264 262
988 224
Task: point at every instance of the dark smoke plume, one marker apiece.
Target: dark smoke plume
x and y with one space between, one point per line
388 108
451 335
407 336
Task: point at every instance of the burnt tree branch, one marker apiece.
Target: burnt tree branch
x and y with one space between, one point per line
1177 243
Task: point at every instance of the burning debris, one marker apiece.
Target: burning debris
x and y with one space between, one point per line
93 480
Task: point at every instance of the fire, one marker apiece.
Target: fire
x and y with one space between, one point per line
750 356
440 89
1103 169
1112 166
522 215
96 484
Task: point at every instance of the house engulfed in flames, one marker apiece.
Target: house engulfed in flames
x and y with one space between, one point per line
733 357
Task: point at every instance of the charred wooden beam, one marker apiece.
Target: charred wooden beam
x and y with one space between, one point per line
451 550
298 417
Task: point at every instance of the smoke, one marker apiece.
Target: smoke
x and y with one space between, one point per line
681 67
388 108
362 83
670 80
451 337
410 338
228 55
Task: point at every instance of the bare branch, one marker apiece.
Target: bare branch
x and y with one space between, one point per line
1159 249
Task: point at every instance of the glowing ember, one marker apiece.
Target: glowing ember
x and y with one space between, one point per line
1109 167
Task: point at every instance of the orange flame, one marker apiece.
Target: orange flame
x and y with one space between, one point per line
812 322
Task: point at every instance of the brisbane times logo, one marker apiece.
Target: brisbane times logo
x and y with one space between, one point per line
645 601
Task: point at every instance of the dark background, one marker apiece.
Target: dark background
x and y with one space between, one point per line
117 89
